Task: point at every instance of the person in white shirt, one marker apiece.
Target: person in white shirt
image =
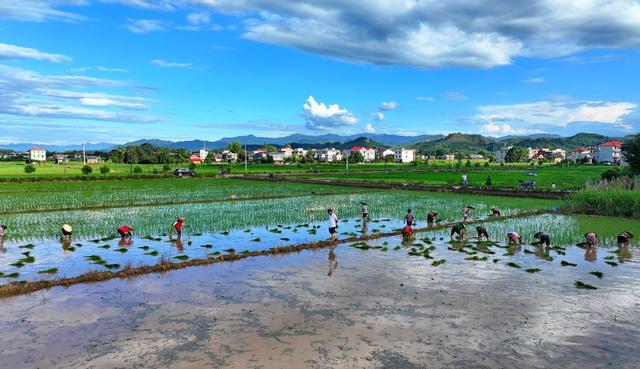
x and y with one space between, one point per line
333 224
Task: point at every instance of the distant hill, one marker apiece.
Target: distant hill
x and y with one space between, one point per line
572 142
457 142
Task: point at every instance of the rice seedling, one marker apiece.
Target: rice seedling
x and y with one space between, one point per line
112 266
285 239
28 246
230 251
582 285
476 258
597 274
181 257
49 271
121 250
11 275
207 246
257 239
513 265
104 247
566 263
152 253
144 247
438 262
533 270
612 263
215 253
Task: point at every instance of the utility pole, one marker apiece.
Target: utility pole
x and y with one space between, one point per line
347 169
84 154
245 159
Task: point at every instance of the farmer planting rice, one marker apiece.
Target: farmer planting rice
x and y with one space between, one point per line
365 210
177 225
3 230
466 211
333 224
459 230
514 237
125 231
431 218
543 238
409 218
482 233
407 231
624 238
591 239
495 212
67 230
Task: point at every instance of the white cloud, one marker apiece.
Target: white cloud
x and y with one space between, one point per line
543 116
534 80
319 116
145 25
99 69
39 10
369 128
199 18
379 116
388 106
165 64
8 51
166 5
425 98
455 96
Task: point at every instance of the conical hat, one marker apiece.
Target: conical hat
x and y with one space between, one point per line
67 228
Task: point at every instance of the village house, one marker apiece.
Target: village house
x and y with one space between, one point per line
403 155
501 154
37 154
277 157
382 153
287 152
476 156
368 154
609 152
195 159
449 157
580 154
229 156
61 159
93 159
328 155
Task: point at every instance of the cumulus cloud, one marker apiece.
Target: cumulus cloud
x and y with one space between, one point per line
165 64
39 10
199 18
8 51
455 96
388 106
319 116
99 69
543 116
425 98
379 116
369 128
534 80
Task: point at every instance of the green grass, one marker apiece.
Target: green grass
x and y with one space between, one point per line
612 202
565 178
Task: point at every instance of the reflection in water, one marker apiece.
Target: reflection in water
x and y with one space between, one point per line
515 248
407 240
590 253
333 262
539 251
624 252
125 241
2 248
179 244
364 228
66 244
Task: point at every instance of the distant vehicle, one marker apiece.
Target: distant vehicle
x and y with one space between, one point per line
184 172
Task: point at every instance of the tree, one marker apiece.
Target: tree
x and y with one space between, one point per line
356 157
234 147
631 152
137 169
517 154
104 169
269 148
166 168
86 170
29 168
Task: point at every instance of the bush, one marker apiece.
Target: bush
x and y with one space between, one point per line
137 169
477 165
192 166
468 164
105 169
29 168
86 170
486 164
611 174
166 167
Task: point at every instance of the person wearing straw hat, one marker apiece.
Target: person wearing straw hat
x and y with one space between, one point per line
459 230
177 225
466 211
624 237
125 231
495 212
431 218
365 210
514 237
66 230
591 239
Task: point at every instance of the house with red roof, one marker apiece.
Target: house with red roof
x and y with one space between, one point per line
580 154
37 154
195 159
369 154
610 152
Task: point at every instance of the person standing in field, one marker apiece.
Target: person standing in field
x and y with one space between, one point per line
409 218
466 211
66 230
333 225
177 225
431 218
488 181
365 210
465 179
3 231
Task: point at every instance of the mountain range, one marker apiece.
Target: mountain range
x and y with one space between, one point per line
425 143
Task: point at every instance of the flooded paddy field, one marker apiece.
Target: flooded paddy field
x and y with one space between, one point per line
354 306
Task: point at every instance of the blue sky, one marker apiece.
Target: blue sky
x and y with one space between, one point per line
119 70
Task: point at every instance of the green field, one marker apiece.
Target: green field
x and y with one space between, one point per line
565 178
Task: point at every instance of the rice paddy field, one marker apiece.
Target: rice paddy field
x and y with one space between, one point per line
565 178
377 300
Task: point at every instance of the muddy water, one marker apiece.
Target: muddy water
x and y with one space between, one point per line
342 308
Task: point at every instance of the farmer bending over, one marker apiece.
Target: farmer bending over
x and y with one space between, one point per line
624 238
466 211
458 229
365 210
431 218
125 231
66 230
591 239
514 237
495 212
177 225
543 238
3 230
482 233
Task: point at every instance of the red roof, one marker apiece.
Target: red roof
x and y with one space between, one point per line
195 159
581 149
36 148
356 148
612 143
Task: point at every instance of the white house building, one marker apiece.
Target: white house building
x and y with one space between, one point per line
382 153
37 154
403 155
368 154
203 155
609 152
329 155
501 154
229 156
580 154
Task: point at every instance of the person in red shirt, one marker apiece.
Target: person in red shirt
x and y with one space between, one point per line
177 225
125 231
